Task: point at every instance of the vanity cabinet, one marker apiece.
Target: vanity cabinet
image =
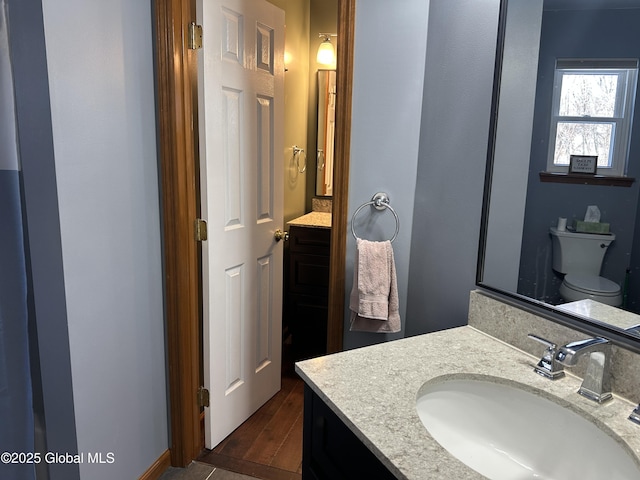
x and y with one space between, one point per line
332 451
307 290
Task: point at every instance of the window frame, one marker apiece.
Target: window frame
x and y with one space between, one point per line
627 72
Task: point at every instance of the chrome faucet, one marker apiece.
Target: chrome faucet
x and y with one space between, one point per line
596 385
548 367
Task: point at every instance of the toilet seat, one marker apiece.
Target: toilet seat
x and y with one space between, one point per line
591 284
577 286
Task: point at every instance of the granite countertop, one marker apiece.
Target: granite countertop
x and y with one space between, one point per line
313 220
602 313
373 391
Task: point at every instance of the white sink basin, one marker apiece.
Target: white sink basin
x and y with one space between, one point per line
505 432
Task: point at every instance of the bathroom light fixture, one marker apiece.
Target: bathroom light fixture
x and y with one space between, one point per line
326 51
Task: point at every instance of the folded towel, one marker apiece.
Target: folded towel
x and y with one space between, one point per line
374 296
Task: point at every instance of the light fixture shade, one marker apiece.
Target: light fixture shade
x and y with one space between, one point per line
326 53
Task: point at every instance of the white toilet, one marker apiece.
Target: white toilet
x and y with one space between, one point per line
579 256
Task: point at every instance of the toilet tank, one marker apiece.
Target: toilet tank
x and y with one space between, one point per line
579 252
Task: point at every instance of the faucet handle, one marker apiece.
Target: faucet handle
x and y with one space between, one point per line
544 341
635 415
548 367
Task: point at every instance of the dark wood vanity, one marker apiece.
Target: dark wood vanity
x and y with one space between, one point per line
306 293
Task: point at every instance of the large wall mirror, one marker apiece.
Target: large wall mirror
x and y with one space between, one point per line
566 85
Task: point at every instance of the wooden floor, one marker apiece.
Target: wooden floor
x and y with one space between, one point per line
269 444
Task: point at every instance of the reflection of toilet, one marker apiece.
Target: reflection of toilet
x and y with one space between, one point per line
579 256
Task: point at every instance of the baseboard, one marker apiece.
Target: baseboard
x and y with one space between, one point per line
158 468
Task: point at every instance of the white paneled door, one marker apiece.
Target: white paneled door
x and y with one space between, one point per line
241 109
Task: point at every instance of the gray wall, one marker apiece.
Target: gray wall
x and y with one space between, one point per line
453 143
49 342
512 145
103 118
387 92
16 405
86 133
420 130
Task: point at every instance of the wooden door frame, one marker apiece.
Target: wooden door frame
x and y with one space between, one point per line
177 127
178 159
340 204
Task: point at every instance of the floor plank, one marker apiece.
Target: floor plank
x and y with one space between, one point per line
236 444
289 457
270 440
269 444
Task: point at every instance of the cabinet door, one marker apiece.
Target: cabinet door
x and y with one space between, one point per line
330 450
309 274
308 326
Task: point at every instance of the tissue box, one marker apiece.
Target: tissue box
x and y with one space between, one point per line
591 227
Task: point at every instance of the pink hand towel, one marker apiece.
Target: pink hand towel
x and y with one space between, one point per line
374 296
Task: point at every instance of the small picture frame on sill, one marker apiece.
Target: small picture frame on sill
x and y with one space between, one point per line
583 164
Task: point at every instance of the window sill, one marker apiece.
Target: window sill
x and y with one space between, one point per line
584 179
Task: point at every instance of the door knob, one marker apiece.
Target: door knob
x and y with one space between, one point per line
279 235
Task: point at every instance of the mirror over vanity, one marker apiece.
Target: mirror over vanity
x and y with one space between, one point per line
326 132
566 86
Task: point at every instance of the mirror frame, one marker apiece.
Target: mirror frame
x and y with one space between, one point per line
536 307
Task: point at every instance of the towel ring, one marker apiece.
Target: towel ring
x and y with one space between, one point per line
380 201
297 151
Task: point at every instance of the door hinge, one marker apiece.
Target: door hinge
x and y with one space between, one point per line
201 230
203 397
195 36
